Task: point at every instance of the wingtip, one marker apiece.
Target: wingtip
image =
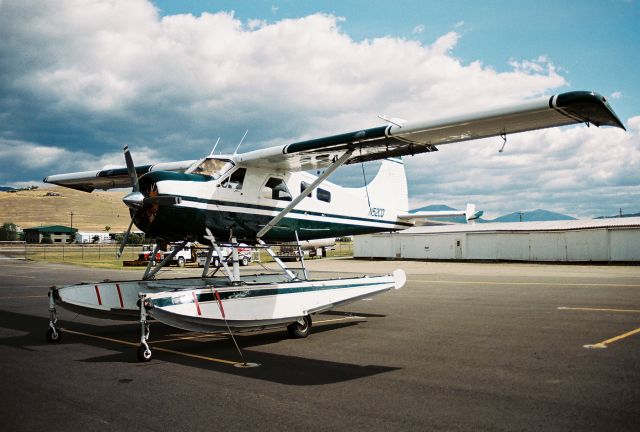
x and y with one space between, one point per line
590 106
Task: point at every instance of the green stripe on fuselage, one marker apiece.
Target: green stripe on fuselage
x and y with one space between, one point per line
176 223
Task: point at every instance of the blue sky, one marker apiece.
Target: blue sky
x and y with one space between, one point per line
81 78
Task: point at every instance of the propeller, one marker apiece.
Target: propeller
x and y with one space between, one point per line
136 199
131 169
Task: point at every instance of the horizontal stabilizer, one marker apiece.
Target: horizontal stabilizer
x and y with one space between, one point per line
470 214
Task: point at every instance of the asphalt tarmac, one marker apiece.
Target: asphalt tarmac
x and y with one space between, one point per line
461 347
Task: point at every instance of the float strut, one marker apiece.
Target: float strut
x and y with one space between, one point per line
53 332
144 351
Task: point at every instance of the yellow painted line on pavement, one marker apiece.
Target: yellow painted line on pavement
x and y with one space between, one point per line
66 330
599 309
184 354
211 335
607 342
527 283
337 319
196 356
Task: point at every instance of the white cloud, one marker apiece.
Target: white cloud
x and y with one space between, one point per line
418 29
579 171
28 155
117 72
616 95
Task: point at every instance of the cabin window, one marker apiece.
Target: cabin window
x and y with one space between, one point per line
276 188
323 195
213 167
235 180
303 186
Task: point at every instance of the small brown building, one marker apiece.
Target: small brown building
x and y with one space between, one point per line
57 233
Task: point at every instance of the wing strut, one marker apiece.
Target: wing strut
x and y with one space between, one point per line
273 222
503 135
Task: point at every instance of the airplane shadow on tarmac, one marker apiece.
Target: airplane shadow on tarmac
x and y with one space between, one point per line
283 369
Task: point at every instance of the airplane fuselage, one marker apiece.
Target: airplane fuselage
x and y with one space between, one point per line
242 201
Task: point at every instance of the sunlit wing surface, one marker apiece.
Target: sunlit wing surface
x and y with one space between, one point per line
410 139
115 178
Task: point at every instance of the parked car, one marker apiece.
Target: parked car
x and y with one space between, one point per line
244 257
183 256
147 250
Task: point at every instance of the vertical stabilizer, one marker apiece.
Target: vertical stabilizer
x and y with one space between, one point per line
389 187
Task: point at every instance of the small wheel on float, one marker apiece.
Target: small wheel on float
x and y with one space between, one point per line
299 330
54 336
144 353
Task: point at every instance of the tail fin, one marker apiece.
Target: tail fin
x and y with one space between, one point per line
389 187
471 214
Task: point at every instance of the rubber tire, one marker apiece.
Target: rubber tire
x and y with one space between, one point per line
180 262
144 355
50 337
244 261
297 331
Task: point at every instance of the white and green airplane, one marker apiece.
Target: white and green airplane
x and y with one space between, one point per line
268 195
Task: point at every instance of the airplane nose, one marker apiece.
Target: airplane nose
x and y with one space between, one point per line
134 200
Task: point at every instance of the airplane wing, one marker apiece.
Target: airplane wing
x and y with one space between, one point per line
385 141
410 139
105 179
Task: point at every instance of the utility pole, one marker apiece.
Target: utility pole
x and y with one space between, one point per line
72 236
520 213
620 211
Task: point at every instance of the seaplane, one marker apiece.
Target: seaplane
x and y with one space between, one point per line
270 195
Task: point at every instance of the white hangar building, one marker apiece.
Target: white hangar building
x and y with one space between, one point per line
601 240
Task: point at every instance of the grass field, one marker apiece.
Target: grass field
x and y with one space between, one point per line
91 211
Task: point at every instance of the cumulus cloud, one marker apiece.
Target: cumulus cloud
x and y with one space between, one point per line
28 156
86 76
579 171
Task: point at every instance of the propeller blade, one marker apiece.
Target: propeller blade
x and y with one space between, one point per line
131 168
125 238
163 200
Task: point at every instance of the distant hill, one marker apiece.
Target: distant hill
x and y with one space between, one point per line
528 216
53 205
6 189
441 207
618 216
532 216
433 207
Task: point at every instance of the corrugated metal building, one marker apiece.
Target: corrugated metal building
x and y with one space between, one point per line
601 240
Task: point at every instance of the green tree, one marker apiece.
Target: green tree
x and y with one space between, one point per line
134 238
8 231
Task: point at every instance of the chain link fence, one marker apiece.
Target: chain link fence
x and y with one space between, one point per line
105 253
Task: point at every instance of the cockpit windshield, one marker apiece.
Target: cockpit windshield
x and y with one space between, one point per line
213 167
